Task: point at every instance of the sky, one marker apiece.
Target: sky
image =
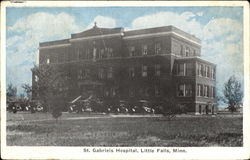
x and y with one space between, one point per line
219 28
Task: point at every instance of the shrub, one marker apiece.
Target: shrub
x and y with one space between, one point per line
56 113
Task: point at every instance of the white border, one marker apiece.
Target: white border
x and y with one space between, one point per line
76 152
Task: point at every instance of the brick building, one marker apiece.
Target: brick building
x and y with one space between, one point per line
137 65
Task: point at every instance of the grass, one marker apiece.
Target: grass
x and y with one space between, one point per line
183 131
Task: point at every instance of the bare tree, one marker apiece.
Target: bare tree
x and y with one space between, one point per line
233 93
11 92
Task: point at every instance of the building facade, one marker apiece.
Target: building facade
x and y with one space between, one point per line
139 65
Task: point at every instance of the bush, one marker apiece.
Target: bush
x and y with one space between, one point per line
56 113
169 109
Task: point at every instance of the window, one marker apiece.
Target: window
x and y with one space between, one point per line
206 91
106 92
207 71
131 92
77 51
189 69
80 74
131 51
94 53
101 73
60 87
131 72
157 91
181 69
194 53
203 67
187 52
110 52
88 55
86 73
184 90
213 73
110 72
181 88
81 54
213 92
200 69
181 51
102 53
157 69
144 71
144 49
157 48
48 61
199 90
188 90
113 92
36 78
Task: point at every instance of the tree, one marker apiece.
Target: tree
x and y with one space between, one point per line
233 93
11 92
49 82
56 113
27 89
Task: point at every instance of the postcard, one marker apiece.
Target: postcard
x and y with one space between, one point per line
125 80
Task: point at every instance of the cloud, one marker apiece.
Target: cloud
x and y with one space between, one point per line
223 45
29 31
42 25
185 21
220 27
104 22
200 14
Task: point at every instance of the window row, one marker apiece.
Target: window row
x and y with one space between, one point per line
109 72
144 70
205 71
94 53
187 52
187 69
186 90
144 50
205 91
133 92
184 69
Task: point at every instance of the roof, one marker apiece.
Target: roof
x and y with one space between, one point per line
195 58
95 31
161 30
56 42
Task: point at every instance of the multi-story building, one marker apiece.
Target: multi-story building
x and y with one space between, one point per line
148 64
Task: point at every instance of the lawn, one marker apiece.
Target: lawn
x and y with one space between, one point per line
39 129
